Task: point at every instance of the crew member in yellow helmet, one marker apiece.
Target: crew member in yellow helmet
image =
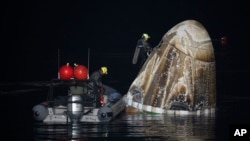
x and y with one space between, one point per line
142 51
95 81
96 76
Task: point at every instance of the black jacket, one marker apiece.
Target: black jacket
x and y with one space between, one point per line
96 77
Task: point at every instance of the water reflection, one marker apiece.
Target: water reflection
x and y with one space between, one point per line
141 126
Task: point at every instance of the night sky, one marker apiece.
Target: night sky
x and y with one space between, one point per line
36 33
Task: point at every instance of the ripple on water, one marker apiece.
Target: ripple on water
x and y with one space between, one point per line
141 126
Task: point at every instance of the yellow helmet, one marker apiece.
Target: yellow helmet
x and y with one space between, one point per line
145 35
104 70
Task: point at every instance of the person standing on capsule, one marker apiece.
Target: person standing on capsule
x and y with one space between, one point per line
142 50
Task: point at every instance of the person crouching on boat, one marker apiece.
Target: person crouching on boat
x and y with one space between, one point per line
96 81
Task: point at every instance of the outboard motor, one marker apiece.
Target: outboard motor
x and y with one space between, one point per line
75 108
40 112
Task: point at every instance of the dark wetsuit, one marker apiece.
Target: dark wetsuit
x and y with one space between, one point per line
145 47
96 83
96 77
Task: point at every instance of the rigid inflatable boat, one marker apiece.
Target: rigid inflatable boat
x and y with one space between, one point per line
75 101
